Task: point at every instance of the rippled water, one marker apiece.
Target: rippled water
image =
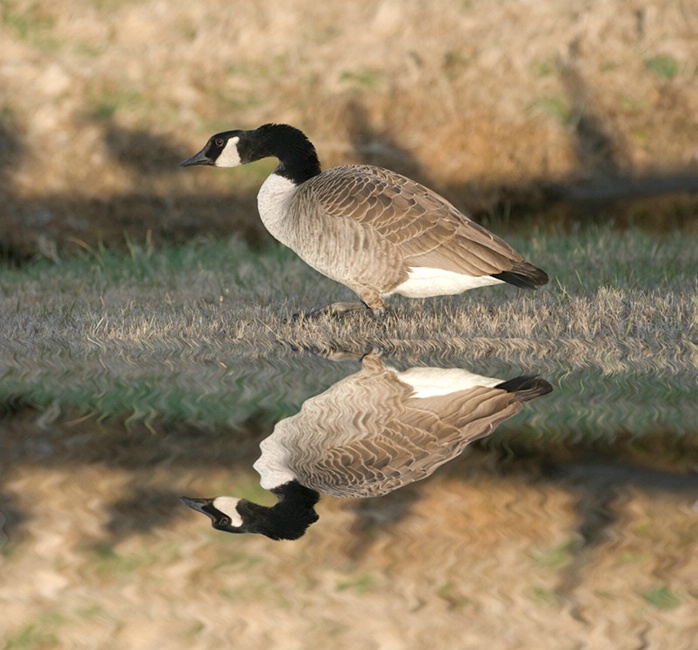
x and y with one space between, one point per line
574 525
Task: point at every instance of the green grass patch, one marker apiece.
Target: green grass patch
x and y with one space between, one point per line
108 562
360 583
556 557
543 596
236 560
366 77
107 102
662 65
545 68
91 613
556 107
29 23
662 598
40 634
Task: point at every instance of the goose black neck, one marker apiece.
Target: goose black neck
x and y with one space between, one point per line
298 159
288 519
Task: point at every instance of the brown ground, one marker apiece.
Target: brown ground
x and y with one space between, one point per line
502 107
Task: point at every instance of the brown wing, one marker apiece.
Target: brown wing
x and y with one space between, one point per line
368 435
421 225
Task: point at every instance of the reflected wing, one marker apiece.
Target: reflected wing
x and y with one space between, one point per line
421 435
370 433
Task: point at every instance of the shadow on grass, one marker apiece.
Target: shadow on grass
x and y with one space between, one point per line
604 181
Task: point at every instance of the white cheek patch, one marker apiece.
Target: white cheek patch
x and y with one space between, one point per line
430 382
227 505
229 157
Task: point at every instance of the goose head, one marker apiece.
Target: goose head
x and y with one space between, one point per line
296 154
222 511
288 519
225 149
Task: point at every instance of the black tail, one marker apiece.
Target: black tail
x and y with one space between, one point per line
526 387
523 275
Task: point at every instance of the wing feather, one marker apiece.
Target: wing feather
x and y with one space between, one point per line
419 224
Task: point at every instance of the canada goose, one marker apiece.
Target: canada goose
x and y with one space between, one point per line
371 229
369 434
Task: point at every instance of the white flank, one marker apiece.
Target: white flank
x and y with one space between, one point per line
424 282
229 157
272 203
227 505
431 382
271 465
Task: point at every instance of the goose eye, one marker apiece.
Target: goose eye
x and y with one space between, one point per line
218 142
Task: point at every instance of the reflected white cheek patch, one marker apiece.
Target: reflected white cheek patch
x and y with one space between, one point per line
227 506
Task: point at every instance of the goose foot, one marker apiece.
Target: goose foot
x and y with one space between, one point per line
338 309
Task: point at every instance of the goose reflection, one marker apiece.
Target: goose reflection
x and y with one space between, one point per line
369 434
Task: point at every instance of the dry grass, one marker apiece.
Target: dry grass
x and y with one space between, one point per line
487 103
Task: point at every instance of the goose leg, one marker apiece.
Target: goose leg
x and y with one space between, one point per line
375 306
373 301
335 309
341 308
370 301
